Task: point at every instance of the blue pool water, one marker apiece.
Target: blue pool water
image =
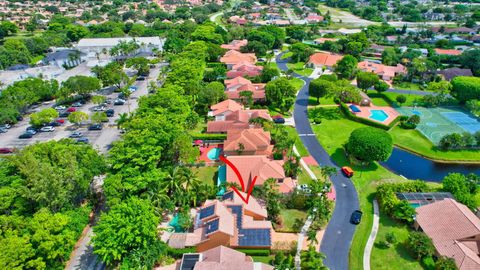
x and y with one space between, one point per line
378 115
221 178
214 153
174 224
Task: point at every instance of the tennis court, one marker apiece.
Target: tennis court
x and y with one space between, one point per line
438 122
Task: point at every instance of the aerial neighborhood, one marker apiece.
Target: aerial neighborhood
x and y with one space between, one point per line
237 135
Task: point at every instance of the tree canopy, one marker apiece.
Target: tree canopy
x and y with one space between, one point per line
370 144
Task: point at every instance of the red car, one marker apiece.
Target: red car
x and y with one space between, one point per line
347 171
6 150
71 109
60 121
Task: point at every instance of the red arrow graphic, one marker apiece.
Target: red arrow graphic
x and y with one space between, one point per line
239 176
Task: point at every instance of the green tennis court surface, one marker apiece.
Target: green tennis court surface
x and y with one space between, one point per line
438 122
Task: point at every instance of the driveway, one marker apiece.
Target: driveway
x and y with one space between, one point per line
339 232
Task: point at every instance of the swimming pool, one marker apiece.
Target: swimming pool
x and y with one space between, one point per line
214 153
378 115
175 225
221 179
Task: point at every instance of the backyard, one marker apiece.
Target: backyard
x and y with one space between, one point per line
292 220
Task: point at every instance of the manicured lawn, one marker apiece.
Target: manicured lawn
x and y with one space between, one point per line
381 99
298 143
300 68
263 259
286 55
407 86
332 134
397 256
303 177
297 83
292 219
207 174
414 141
312 101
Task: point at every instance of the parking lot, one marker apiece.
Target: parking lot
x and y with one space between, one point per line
100 139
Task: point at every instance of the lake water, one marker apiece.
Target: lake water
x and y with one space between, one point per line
415 167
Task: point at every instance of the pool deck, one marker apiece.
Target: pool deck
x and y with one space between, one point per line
365 112
204 153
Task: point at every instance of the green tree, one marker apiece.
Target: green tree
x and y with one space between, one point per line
77 117
381 86
125 227
263 37
471 59
420 245
346 68
272 198
256 47
207 33
401 99
366 80
268 73
98 117
212 94
390 57
279 90
277 32
110 75
140 64
319 88
370 144
97 99
300 52
296 32
445 263
466 88
43 117
312 259
81 85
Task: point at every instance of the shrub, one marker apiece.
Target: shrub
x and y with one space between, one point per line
420 245
255 252
428 263
208 136
401 99
317 120
466 88
370 144
445 263
386 193
411 122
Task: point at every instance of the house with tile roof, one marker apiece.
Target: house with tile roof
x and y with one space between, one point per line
227 222
220 258
323 59
252 141
386 73
454 230
263 168
314 18
447 51
236 44
322 40
235 120
235 86
233 57
450 73
223 108
244 70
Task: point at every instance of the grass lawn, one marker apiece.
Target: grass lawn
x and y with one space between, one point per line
414 141
300 68
286 55
303 177
292 219
381 99
207 174
263 259
407 86
382 257
366 180
312 101
298 143
297 83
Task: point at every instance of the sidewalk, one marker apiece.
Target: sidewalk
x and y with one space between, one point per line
371 239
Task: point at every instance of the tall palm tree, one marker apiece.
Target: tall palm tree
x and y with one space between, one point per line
312 260
312 237
191 183
122 119
173 182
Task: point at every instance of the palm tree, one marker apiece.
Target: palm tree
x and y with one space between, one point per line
173 182
191 182
122 119
312 260
312 237
152 87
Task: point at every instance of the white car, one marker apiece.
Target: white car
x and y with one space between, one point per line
47 129
99 108
60 108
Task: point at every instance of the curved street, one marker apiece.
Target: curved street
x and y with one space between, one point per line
339 232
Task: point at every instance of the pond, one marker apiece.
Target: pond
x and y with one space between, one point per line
415 167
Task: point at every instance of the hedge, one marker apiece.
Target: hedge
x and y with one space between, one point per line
177 253
366 121
386 193
255 252
209 136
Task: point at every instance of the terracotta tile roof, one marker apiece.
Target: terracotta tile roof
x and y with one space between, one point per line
382 70
233 57
322 40
448 52
324 59
252 206
454 230
234 86
255 141
224 258
244 69
235 44
251 166
236 120
225 106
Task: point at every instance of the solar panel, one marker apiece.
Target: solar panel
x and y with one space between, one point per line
254 237
212 226
207 211
237 211
424 198
189 261
228 196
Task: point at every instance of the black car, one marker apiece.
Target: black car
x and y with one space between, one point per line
82 140
110 112
356 217
54 124
25 136
279 120
19 118
118 102
64 114
141 78
32 128
95 127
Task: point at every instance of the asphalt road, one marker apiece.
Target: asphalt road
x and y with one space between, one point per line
339 232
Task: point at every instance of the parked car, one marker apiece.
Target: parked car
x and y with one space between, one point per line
25 135
304 188
75 134
82 140
99 108
64 114
77 104
19 118
119 101
95 127
141 78
60 121
132 88
60 108
31 128
6 150
71 109
279 120
6 126
347 171
3 130
110 112
31 131
356 217
47 129
54 124
121 95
